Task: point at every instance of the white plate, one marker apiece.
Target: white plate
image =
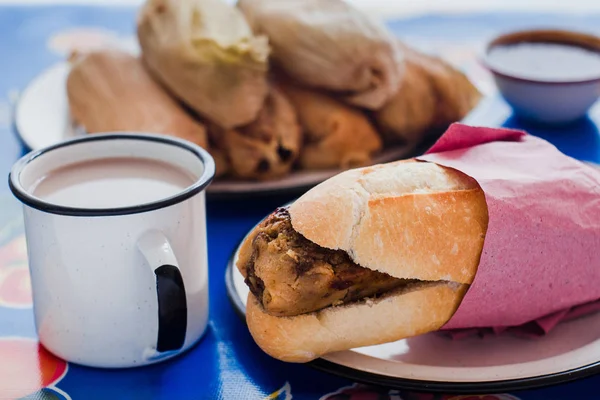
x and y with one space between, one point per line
42 119
433 362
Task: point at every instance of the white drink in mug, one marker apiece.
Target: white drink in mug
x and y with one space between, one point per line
116 239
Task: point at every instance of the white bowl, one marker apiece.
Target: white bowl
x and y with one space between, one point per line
550 102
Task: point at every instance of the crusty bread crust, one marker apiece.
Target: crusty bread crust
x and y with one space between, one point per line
409 219
416 310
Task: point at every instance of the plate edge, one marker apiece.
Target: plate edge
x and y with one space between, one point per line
490 387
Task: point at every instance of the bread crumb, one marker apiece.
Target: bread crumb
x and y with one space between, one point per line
454 250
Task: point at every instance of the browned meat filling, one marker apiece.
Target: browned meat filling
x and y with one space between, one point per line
291 275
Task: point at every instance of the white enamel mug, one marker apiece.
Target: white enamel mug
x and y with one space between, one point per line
118 287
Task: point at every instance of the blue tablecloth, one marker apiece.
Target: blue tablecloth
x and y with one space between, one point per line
226 364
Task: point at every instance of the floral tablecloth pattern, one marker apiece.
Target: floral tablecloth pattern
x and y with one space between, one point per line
225 364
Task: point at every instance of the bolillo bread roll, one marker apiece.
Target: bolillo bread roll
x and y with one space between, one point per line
418 224
309 336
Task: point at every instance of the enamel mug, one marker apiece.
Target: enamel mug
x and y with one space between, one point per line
118 287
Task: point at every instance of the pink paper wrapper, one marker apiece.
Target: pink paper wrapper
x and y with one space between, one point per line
541 256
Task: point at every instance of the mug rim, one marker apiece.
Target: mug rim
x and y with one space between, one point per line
28 199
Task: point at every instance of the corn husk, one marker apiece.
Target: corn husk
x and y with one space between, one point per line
336 135
206 54
265 149
110 90
328 44
432 94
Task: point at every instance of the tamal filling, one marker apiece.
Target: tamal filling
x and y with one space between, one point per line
290 275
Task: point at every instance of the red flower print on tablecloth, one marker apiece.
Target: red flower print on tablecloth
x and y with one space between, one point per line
15 286
26 368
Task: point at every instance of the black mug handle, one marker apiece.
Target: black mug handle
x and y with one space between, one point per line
172 308
170 293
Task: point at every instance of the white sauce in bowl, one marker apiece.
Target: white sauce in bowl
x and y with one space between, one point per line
548 62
